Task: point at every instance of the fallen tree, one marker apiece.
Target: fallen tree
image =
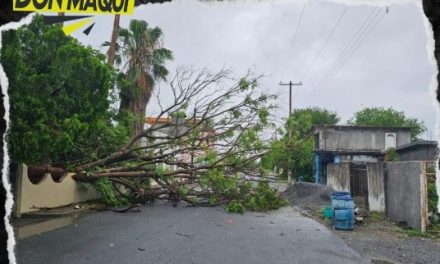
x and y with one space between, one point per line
203 148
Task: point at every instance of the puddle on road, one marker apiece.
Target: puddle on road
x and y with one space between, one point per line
37 226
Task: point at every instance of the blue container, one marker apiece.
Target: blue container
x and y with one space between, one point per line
340 194
343 225
344 214
343 219
343 202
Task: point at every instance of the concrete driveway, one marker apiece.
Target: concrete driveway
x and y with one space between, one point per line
163 234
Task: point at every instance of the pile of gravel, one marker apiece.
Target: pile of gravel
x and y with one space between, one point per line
308 195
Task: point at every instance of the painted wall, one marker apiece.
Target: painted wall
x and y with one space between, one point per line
359 138
406 193
338 176
48 193
376 187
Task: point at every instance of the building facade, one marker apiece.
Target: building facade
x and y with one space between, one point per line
356 144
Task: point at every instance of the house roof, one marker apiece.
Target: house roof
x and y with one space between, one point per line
418 143
350 152
151 120
350 127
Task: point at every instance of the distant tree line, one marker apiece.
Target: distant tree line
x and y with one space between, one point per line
293 151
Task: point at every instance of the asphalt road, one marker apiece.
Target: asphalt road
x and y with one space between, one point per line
163 234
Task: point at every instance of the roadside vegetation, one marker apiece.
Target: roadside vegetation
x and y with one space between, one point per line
293 151
73 108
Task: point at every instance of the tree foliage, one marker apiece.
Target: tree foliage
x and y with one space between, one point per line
387 117
141 55
59 94
319 116
222 131
294 151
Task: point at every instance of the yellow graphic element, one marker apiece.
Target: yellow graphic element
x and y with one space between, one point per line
69 29
76 6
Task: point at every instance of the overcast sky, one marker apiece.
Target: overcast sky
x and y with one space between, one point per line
387 66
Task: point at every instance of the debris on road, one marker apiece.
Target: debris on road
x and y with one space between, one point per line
308 195
182 234
125 209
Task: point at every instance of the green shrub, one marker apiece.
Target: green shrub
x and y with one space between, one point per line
234 207
109 193
260 199
432 198
62 96
241 195
391 155
265 198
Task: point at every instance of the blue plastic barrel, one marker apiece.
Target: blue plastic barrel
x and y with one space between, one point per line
340 194
343 219
341 200
342 203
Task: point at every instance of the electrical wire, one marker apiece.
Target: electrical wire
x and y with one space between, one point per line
356 47
362 29
365 24
325 44
293 41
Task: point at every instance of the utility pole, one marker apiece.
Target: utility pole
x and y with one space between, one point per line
193 146
291 84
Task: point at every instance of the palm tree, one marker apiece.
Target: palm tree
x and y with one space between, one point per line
140 52
113 42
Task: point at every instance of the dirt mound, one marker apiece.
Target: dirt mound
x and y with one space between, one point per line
308 195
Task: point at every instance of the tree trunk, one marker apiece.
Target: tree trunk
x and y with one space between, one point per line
115 33
137 104
61 14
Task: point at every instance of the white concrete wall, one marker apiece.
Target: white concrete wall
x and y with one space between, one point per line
338 176
376 187
48 193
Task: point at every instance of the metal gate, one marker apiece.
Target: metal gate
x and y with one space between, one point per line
359 184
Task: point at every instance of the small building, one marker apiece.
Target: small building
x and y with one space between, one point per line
351 159
423 150
354 144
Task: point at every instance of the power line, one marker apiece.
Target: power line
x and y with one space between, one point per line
360 32
366 23
293 40
325 43
356 47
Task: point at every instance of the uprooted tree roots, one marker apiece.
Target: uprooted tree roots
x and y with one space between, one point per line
203 148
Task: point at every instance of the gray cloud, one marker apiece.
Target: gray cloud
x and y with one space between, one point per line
391 68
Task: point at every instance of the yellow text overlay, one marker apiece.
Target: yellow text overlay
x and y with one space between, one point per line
76 6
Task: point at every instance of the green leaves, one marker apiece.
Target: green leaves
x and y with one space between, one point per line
388 117
108 193
294 151
261 199
59 93
263 114
244 84
432 198
140 48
